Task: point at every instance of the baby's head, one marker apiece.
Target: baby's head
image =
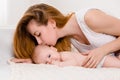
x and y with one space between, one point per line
45 54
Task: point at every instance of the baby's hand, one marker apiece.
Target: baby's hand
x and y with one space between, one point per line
56 63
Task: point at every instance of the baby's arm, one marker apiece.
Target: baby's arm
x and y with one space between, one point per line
70 59
65 63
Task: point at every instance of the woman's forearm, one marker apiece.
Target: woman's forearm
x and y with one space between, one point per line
111 46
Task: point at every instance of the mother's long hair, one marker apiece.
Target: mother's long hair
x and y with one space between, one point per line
24 42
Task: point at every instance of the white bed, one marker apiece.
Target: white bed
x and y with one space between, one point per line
45 72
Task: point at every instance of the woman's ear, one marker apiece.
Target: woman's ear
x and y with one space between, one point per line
53 23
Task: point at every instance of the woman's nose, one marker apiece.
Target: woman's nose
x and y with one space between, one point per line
39 41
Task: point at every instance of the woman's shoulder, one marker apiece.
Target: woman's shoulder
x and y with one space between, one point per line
83 11
80 14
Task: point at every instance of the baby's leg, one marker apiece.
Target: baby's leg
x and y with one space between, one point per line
111 61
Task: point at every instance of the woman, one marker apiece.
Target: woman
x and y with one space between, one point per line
91 31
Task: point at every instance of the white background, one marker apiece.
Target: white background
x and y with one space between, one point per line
12 10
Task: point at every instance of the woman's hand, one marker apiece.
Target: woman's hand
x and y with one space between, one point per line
93 59
16 60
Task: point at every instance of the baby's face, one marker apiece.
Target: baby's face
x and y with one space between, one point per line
47 55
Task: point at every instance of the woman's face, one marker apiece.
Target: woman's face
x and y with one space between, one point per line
44 34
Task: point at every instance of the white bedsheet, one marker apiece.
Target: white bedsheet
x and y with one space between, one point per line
5 72
51 72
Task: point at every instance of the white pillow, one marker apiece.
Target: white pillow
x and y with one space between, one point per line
6 39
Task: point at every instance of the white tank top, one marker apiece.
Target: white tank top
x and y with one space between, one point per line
95 39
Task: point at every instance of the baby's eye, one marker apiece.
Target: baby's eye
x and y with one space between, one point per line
49 56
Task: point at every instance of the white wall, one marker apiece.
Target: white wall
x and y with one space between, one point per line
73 5
3 11
16 8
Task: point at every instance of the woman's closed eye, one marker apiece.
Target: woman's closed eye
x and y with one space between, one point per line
38 35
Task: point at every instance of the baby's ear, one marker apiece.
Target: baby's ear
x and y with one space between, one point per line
53 48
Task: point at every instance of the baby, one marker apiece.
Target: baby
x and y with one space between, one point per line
49 55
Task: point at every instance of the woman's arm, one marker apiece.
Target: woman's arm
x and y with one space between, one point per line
100 22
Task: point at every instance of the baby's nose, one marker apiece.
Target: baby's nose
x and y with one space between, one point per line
49 61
